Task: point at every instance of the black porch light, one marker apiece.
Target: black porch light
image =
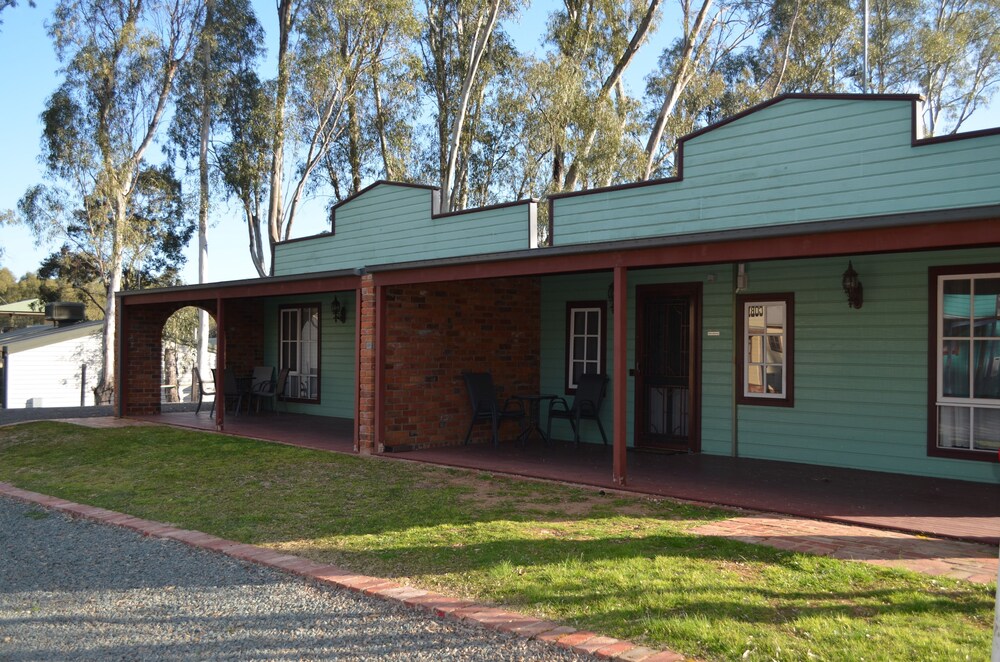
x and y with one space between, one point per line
338 310
852 287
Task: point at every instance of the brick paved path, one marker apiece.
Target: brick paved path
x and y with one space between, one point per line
933 556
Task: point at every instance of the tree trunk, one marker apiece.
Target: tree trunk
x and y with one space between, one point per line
203 192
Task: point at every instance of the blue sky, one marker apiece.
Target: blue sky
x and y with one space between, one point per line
29 75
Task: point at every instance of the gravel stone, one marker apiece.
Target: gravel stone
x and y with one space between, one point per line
71 589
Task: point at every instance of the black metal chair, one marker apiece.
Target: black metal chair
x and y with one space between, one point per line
483 398
231 392
590 394
204 388
261 386
269 390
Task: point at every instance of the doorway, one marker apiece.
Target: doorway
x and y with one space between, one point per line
668 367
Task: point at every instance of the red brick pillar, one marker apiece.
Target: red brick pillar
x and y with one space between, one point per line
366 368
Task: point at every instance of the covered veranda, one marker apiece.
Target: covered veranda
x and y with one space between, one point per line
932 506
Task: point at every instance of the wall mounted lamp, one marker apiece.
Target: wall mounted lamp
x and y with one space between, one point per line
852 287
338 311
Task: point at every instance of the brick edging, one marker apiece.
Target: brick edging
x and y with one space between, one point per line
439 606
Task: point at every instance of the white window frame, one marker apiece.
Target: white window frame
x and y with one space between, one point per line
971 403
745 395
572 334
297 313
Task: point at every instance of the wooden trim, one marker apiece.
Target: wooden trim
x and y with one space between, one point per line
570 306
473 210
789 300
204 295
933 363
619 383
319 350
926 235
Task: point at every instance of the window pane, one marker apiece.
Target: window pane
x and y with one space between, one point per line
953 427
774 349
957 308
579 346
774 384
987 427
579 322
578 369
755 349
755 317
775 318
987 362
955 369
985 307
755 379
592 348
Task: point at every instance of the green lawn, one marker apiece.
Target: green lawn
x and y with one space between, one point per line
625 567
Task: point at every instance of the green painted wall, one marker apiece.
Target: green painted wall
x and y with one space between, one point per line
337 354
800 160
717 301
391 223
860 375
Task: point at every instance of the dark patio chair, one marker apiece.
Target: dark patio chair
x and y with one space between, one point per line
272 391
231 392
483 398
590 394
261 386
204 388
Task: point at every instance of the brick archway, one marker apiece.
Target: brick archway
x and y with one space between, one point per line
140 353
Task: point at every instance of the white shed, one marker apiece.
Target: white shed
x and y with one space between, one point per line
50 366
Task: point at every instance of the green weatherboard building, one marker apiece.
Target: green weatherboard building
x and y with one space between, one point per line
818 284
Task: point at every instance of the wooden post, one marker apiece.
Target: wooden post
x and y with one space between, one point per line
220 364
620 382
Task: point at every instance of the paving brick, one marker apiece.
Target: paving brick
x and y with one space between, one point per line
614 650
555 633
575 638
637 654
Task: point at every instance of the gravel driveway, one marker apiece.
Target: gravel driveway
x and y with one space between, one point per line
71 589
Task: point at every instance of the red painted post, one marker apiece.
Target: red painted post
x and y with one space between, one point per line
358 307
220 364
620 380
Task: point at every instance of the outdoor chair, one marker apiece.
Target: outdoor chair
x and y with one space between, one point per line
483 398
269 390
590 394
204 388
262 386
232 394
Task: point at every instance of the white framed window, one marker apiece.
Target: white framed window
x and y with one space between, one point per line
299 351
765 328
586 342
965 412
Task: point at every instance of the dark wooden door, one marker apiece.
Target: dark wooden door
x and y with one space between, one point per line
668 367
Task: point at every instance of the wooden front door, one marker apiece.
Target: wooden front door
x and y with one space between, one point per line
668 367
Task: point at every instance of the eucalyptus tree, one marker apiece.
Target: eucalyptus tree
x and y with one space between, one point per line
459 39
590 119
691 72
120 59
958 47
227 44
356 53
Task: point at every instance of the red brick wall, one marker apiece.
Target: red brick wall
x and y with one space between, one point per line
140 367
434 333
244 328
